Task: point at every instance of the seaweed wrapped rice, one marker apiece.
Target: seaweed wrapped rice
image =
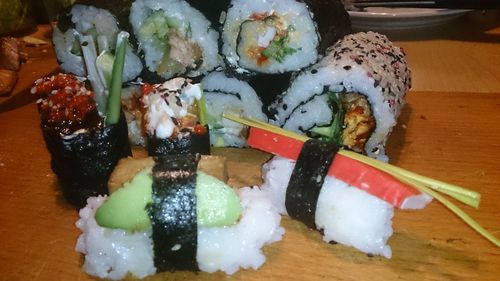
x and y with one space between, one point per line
83 150
229 95
174 38
98 28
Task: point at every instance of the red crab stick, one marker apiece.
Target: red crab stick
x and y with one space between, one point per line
352 172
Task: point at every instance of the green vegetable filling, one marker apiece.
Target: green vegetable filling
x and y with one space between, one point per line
165 34
278 49
126 208
333 131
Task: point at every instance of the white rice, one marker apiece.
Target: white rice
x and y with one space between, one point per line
367 63
112 253
190 20
304 37
231 96
346 214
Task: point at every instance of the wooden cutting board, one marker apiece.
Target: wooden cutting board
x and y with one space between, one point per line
453 137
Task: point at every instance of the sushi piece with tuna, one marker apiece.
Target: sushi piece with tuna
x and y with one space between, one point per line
170 216
227 95
175 39
353 96
166 117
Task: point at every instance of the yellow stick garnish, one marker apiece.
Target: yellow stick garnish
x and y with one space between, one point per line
421 183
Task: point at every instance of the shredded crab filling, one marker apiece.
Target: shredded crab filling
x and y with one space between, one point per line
170 109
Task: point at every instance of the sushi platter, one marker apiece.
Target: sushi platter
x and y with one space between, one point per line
192 140
38 233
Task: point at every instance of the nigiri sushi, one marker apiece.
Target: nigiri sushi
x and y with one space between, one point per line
171 216
352 205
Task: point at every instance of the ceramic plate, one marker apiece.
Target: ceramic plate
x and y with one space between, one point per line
401 18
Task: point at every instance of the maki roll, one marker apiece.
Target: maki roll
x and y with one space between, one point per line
269 36
98 28
166 117
170 217
83 149
353 96
175 39
266 41
223 94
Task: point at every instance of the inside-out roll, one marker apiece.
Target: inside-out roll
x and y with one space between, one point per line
223 94
352 96
175 38
269 36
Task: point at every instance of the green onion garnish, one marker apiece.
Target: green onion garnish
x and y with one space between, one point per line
114 98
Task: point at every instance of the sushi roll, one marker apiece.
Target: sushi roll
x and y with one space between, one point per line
166 117
269 36
175 39
353 96
83 149
169 217
223 94
98 28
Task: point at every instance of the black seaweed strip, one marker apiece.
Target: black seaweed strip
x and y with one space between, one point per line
222 92
84 162
307 179
325 91
191 143
173 213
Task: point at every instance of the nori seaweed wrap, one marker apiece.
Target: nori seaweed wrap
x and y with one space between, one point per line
173 213
332 19
84 161
83 150
190 143
307 180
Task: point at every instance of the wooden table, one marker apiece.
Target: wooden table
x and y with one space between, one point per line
449 135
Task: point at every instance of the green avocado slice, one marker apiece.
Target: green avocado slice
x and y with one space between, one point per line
126 207
217 203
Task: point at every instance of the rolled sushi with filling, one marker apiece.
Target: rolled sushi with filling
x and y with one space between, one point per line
84 150
174 38
353 96
89 25
269 36
228 95
170 217
166 117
